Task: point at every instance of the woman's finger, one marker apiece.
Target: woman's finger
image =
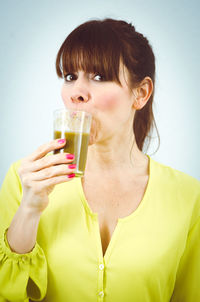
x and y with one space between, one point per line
50 160
52 172
46 148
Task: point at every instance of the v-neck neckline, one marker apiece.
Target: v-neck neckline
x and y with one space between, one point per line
95 216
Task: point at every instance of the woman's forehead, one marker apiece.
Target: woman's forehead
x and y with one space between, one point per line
123 73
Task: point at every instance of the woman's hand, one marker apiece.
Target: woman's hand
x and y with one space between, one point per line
39 174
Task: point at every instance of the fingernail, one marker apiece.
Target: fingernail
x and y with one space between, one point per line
71 175
61 141
72 166
70 156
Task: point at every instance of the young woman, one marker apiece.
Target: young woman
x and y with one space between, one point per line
129 229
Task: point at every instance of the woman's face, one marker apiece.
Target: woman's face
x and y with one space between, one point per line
109 103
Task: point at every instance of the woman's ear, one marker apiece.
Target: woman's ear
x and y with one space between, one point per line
142 93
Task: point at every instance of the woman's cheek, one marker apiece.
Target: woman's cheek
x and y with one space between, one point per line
108 102
64 96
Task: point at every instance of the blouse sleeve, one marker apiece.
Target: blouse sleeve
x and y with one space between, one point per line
187 286
22 276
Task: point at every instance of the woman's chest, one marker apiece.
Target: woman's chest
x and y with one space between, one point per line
112 201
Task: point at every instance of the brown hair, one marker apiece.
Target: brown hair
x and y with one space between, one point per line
98 46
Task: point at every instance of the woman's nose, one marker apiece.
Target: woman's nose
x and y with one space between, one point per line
79 97
80 92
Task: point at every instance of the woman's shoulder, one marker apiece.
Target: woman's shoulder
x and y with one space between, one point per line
169 176
176 188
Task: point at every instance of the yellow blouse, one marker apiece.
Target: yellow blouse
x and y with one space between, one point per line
153 255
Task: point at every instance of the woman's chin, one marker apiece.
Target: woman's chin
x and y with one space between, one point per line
91 140
94 132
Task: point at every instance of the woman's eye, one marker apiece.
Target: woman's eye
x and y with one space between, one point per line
99 77
69 77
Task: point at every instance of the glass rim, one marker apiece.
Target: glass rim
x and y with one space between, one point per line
70 110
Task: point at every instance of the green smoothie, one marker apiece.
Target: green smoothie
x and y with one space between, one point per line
77 144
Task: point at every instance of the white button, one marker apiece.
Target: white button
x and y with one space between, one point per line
101 294
24 258
101 267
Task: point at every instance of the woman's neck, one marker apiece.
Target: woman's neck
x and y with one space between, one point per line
115 162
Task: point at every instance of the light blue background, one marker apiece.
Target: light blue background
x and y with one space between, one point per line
31 33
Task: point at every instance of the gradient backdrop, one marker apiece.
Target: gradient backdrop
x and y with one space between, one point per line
31 33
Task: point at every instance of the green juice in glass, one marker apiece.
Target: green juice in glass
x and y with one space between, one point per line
77 144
